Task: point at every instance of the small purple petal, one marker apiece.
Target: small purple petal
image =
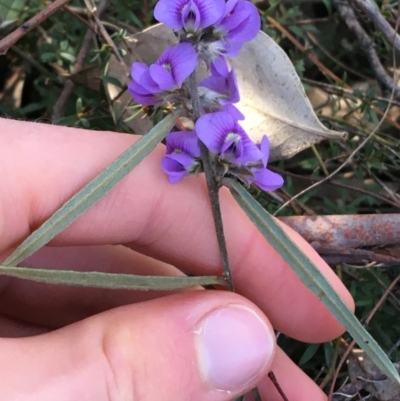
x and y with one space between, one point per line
162 77
173 168
266 179
232 49
216 128
215 83
232 87
191 17
234 112
137 88
169 12
138 69
242 23
147 99
182 59
183 141
232 149
212 129
182 151
229 6
210 10
226 86
220 65
148 83
178 13
264 147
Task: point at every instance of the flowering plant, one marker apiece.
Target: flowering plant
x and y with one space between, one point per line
209 32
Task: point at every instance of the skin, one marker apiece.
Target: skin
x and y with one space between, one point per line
70 343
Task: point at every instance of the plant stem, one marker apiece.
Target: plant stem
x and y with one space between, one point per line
212 185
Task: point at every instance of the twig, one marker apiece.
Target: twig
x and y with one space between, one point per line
92 10
367 45
333 58
27 26
348 231
340 168
256 394
366 140
340 91
30 60
80 61
277 386
212 185
353 343
337 184
326 71
373 13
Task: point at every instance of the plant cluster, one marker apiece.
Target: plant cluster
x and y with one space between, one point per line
208 31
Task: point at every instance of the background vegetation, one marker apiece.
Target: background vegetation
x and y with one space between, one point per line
341 85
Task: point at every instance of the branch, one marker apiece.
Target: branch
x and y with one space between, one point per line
373 13
367 45
80 60
27 26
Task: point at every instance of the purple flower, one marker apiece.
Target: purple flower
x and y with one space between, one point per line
167 73
190 15
219 92
182 156
240 23
262 177
223 136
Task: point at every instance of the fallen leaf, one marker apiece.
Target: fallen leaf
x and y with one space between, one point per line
274 101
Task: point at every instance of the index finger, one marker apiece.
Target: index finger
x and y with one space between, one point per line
43 166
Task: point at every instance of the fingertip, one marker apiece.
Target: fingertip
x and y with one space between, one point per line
206 345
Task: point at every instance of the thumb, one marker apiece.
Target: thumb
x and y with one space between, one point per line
200 345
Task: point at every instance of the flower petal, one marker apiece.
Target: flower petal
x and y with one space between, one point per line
169 12
243 23
213 128
210 10
266 179
220 66
234 112
186 142
138 69
264 147
162 77
191 17
146 99
251 153
183 61
174 169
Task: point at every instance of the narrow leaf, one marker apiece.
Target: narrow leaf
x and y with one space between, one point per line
109 280
311 277
92 192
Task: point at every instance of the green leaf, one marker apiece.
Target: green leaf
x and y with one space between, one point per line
308 353
11 9
109 280
311 277
92 192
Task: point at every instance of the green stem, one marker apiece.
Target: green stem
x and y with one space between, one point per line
212 185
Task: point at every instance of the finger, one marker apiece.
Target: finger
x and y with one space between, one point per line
177 348
294 383
55 306
13 328
170 222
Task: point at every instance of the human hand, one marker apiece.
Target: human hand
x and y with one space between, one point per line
92 345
